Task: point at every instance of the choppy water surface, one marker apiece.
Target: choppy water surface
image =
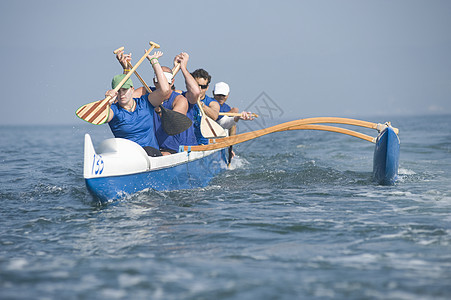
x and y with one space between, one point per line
297 217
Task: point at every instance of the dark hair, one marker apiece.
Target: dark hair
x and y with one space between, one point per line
201 73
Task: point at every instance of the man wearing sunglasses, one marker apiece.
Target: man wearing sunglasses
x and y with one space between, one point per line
209 105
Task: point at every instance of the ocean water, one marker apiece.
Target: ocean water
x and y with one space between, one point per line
297 217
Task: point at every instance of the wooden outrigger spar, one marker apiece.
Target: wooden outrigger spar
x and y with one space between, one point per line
301 124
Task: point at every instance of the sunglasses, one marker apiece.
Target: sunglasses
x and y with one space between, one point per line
203 86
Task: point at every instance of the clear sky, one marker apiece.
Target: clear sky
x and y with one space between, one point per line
310 58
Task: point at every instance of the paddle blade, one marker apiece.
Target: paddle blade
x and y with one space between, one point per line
210 129
174 122
230 156
95 112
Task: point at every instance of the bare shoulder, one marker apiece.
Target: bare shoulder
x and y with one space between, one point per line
180 98
180 104
214 104
137 93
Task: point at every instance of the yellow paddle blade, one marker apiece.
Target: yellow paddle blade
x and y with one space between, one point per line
95 112
210 129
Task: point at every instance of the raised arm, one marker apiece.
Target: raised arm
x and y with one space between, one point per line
163 90
124 59
192 87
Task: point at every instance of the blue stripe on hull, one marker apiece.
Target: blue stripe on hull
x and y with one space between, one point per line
194 174
386 157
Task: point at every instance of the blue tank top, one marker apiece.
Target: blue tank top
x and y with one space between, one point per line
136 126
186 138
223 108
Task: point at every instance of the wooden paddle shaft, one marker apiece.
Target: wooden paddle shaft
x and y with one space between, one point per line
200 106
144 83
94 113
229 114
205 117
127 76
136 73
334 120
212 127
174 71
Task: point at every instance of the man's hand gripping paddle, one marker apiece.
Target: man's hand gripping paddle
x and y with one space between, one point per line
173 122
97 112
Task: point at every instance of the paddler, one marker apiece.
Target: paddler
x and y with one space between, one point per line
221 94
176 102
132 117
209 105
181 103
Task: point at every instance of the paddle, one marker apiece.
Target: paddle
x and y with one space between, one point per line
208 127
293 125
173 122
97 112
230 151
229 114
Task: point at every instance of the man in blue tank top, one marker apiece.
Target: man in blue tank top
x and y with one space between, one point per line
188 137
209 105
221 94
132 118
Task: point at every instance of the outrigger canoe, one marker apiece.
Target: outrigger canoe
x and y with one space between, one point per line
120 167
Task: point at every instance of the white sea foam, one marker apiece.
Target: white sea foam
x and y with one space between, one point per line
17 264
402 171
177 275
238 162
126 280
114 293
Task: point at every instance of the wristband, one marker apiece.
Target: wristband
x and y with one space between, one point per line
152 63
126 70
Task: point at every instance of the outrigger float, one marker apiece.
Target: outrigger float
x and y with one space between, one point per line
119 167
